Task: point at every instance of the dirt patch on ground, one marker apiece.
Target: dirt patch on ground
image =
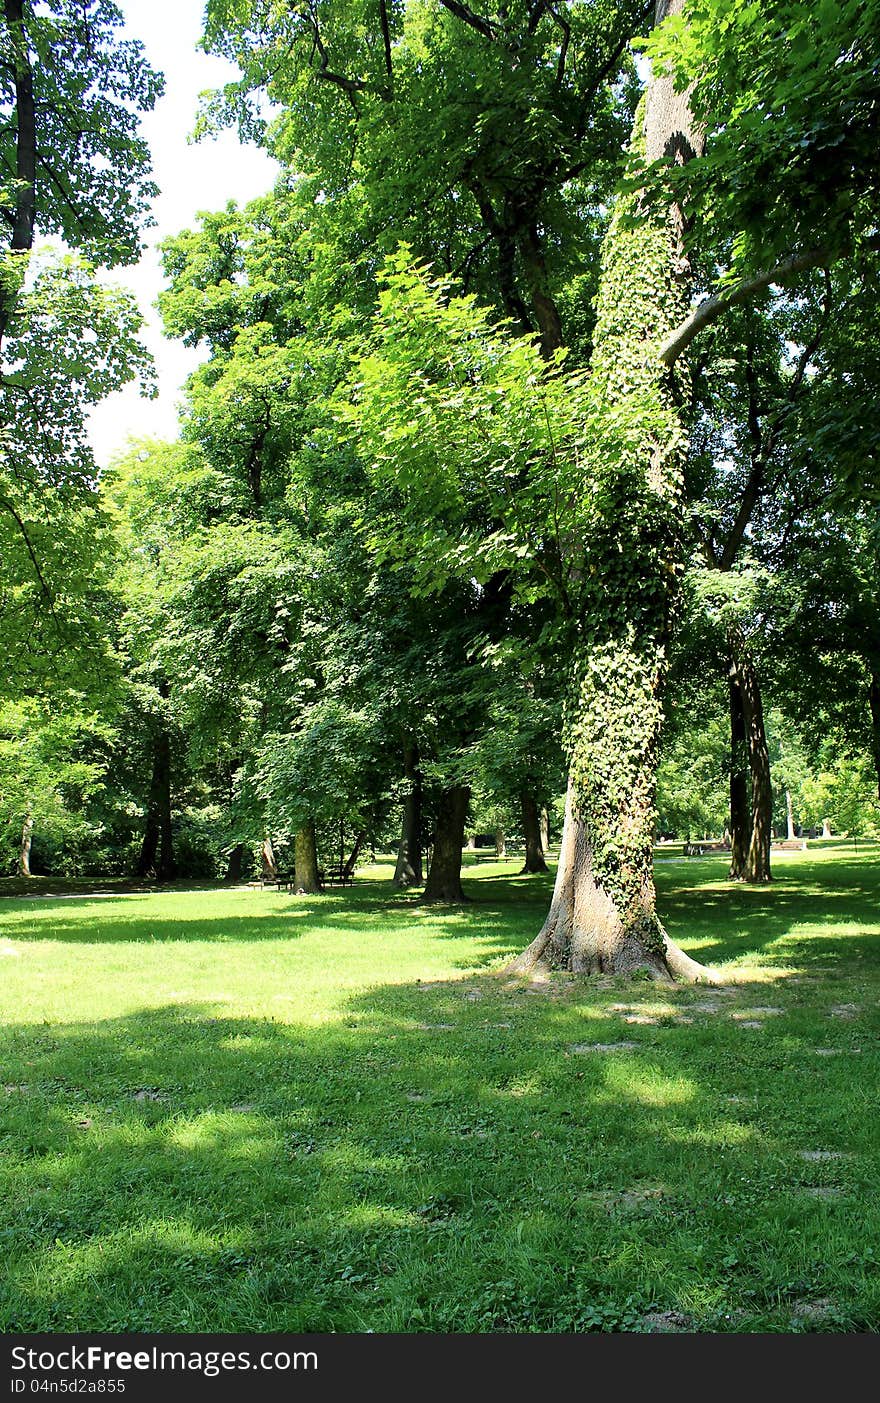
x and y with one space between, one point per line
665 1322
602 1047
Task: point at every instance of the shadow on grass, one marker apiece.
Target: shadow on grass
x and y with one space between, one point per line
443 1157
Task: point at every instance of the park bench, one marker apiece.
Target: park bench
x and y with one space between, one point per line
338 876
791 845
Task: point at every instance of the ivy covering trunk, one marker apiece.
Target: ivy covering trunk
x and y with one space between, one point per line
603 915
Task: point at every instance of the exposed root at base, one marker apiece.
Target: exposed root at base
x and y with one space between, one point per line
677 967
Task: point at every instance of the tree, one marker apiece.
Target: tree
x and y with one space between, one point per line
72 161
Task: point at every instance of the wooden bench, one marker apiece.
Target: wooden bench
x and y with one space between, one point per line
281 880
336 876
791 845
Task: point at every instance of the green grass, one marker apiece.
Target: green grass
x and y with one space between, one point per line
243 1111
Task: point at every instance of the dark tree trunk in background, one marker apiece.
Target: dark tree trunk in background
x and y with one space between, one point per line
234 864
146 863
874 699
24 853
531 822
444 877
22 215
408 871
167 868
157 848
305 853
758 858
353 855
740 821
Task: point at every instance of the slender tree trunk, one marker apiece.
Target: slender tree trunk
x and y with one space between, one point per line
268 864
532 829
23 212
545 832
500 843
739 782
874 699
305 853
349 866
146 863
603 914
826 828
408 872
167 867
234 864
157 848
758 857
444 875
789 817
24 853
471 843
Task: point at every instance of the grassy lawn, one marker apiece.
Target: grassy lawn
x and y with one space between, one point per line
243 1111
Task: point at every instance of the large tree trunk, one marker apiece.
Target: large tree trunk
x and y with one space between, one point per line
531 822
408 871
874 699
740 825
603 915
305 853
24 852
444 876
588 932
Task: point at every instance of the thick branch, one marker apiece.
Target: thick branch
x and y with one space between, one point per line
482 26
712 308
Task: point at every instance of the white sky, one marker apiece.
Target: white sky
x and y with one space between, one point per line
191 178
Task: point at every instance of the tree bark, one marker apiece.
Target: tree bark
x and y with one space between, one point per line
545 832
761 818
500 843
444 875
146 863
267 858
826 828
874 699
789 816
603 915
24 201
24 852
234 864
157 848
739 782
306 879
586 931
531 821
409 872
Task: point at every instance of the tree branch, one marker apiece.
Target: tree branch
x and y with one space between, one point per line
482 26
711 308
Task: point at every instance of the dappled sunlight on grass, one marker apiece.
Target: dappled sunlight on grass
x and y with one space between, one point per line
334 1117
